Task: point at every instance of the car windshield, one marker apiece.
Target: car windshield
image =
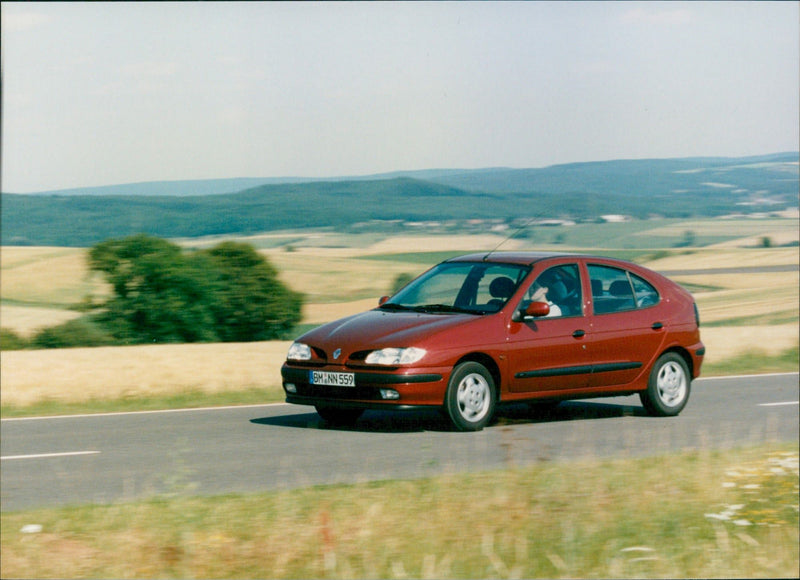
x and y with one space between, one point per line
458 287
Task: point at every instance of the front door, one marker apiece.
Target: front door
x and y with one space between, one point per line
550 353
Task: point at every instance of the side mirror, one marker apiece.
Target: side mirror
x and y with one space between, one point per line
532 310
382 300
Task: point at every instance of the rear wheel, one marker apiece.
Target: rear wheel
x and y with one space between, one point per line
470 398
668 387
338 415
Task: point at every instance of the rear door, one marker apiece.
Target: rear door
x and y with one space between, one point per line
626 325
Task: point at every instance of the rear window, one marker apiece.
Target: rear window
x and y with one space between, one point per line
618 290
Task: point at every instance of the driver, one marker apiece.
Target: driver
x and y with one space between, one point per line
538 293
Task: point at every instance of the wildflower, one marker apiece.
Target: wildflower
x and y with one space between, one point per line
31 529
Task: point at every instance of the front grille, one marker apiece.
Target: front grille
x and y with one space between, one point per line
351 393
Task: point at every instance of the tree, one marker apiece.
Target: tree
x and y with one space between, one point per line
162 294
401 280
689 239
250 302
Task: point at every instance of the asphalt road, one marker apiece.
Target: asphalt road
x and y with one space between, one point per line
118 457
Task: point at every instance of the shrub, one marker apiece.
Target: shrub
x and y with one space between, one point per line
75 333
163 294
10 340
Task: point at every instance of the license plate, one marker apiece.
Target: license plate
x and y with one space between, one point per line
332 379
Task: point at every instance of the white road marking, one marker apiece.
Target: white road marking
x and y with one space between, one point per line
48 455
784 403
723 377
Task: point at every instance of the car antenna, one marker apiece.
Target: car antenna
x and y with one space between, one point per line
514 233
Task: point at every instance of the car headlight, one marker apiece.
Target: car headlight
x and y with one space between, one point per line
395 356
299 351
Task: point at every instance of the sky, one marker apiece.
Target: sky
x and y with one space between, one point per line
110 93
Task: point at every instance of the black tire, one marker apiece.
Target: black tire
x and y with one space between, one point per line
471 397
668 387
339 415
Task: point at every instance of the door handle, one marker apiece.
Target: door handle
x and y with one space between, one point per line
579 334
657 326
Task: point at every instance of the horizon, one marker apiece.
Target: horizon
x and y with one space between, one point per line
385 175
119 93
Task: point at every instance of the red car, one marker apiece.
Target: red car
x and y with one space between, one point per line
484 329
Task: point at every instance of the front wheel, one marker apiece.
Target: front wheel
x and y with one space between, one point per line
470 398
668 387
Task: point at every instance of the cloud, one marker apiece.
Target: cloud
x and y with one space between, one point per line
150 69
23 21
661 17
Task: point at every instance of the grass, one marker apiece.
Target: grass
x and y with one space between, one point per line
757 361
752 346
703 513
189 399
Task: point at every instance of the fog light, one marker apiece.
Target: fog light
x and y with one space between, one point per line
390 394
290 387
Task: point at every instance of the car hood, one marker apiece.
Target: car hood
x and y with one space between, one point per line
378 329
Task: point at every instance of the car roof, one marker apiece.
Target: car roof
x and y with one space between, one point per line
522 258
529 258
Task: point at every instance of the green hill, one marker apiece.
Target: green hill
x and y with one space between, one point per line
670 188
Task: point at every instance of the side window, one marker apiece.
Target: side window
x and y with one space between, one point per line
617 290
560 287
646 294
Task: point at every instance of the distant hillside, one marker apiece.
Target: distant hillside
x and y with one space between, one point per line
633 177
670 188
165 188
745 176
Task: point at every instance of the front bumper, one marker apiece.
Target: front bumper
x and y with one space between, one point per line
414 389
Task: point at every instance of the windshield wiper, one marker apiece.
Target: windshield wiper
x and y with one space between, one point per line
393 306
445 309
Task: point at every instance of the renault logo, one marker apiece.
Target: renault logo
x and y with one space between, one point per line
337 353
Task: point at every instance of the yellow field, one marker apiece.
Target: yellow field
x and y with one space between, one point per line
331 275
771 295
749 231
82 374
726 257
39 283
47 276
27 320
